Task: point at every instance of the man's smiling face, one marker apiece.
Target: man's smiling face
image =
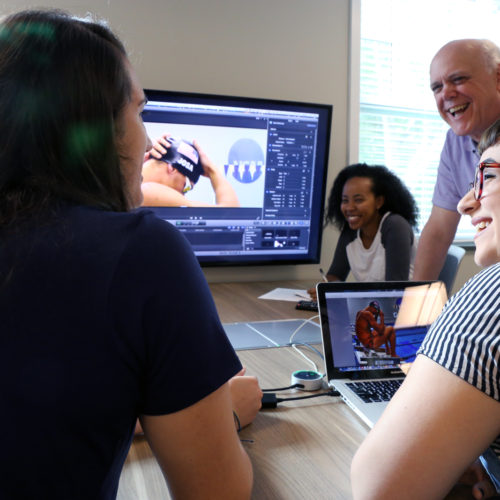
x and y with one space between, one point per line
465 87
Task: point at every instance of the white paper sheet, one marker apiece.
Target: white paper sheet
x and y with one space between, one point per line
289 294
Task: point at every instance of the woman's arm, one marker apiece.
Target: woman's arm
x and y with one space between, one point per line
433 428
340 267
199 450
246 399
397 239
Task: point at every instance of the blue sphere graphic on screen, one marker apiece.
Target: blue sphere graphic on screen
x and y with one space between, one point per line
245 160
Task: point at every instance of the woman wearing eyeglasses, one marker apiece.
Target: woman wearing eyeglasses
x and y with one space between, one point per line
447 412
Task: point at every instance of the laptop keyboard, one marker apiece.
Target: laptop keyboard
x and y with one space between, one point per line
375 391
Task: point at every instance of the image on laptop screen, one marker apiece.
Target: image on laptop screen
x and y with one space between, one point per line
379 329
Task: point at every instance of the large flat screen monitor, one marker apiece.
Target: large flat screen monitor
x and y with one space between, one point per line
274 156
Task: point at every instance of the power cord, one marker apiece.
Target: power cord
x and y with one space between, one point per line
309 360
311 347
296 344
270 400
283 388
304 323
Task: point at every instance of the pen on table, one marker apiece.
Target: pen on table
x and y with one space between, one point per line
303 296
323 275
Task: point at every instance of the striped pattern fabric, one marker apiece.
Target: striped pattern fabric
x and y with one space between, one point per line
465 338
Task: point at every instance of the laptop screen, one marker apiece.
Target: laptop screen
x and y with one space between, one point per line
375 327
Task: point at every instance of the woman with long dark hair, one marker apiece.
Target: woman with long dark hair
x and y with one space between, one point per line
95 331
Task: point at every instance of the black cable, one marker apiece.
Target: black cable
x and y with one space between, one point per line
270 400
282 388
329 393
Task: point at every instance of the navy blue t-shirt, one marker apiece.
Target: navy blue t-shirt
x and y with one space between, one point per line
103 316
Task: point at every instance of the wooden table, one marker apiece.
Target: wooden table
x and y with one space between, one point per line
300 450
239 301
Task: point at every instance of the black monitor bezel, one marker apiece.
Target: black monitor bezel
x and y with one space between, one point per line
325 112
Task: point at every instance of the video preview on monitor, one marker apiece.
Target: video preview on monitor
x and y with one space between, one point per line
274 154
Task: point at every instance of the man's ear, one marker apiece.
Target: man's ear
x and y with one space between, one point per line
498 77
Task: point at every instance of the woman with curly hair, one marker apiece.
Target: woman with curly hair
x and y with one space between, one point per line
376 214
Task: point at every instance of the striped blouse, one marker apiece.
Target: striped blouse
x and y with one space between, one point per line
465 338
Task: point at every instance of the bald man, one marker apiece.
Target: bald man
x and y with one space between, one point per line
465 81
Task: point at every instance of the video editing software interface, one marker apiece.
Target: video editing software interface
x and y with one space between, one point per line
380 329
274 154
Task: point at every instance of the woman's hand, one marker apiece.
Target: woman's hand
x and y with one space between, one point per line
312 290
474 483
246 395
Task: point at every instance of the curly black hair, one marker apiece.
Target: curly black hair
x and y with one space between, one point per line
397 197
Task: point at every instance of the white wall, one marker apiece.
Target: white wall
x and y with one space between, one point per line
284 49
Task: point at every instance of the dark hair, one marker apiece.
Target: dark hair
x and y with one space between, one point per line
489 137
397 198
63 85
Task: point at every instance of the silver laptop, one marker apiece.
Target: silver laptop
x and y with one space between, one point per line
370 331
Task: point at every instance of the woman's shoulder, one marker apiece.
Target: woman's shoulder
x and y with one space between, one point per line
146 248
140 219
138 229
396 229
149 230
394 222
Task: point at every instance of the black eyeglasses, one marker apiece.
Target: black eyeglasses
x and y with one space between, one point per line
479 177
